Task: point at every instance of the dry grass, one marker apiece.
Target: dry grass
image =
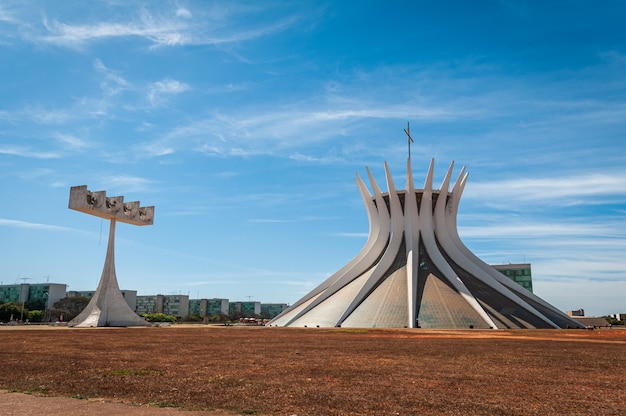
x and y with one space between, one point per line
287 371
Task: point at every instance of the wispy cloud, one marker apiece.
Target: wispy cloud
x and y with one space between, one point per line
46 116
351 235
557 249
159 89
562 191
299 157
53 114
112 82
71 142
350 104
512 228
27 152
158 31
118 97
219 25
270 221
4 222
6 15
286 127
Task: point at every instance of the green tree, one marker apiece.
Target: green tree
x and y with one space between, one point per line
10 310
158 317
613 321
35 316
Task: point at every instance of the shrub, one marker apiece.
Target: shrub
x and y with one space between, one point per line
159 317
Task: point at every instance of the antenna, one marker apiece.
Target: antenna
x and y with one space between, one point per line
409 138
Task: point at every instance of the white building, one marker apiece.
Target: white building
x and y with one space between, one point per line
414 271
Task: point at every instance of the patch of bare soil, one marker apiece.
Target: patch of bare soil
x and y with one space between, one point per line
314 371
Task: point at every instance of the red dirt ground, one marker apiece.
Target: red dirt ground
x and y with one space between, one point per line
314 371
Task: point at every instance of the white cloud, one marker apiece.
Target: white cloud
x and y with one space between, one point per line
221 24
71 142
167 86
352 235
299 157
156 149
563 191
6 15
112 82
27 152
184 13
254 131
4 222
41 115
158 31
519 229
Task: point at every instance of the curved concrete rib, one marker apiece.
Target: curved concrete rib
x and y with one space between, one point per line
411 235
428 237
389 255
377 240
374 233
445 223
490 271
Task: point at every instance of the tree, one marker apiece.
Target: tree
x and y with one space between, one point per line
158 317
10 310
70 307
34 304
35 316
613 321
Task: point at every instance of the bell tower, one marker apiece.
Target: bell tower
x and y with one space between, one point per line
107 306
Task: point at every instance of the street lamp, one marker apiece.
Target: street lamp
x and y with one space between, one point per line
45 307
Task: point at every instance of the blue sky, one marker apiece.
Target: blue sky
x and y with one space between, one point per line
245 123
